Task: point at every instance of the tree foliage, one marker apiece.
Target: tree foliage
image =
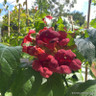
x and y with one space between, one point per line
93 23
55 7
35 21
78 18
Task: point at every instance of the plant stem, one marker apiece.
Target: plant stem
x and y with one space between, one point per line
86 72
65 81
2 94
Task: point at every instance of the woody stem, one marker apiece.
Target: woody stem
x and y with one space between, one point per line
65 80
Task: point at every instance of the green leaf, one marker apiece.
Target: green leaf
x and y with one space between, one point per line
9 58
53 87
44 90
39 24
87 88
61 27
26 83
24 3
71 42
17 1
30 19
8 94
69 31
86 48
79 55
57 85
93 23
86 34
9 62
92 35
60 21
0 12
53 0
5 1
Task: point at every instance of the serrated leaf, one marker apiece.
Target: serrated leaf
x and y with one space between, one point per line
83 89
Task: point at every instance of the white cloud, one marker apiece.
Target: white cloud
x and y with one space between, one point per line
79 5
92 13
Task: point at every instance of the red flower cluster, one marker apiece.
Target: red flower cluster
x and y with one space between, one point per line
48 48
51 39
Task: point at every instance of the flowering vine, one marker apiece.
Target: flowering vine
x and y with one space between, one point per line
49 49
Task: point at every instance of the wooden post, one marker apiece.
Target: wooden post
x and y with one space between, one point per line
88 21
0 34
72 22
89 9
19 20
27 13
8 23
26 7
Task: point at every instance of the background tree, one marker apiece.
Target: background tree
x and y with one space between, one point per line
78 18
55 7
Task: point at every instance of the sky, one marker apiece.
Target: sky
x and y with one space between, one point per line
82 6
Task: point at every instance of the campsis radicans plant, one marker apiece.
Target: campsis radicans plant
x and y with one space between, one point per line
49 49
